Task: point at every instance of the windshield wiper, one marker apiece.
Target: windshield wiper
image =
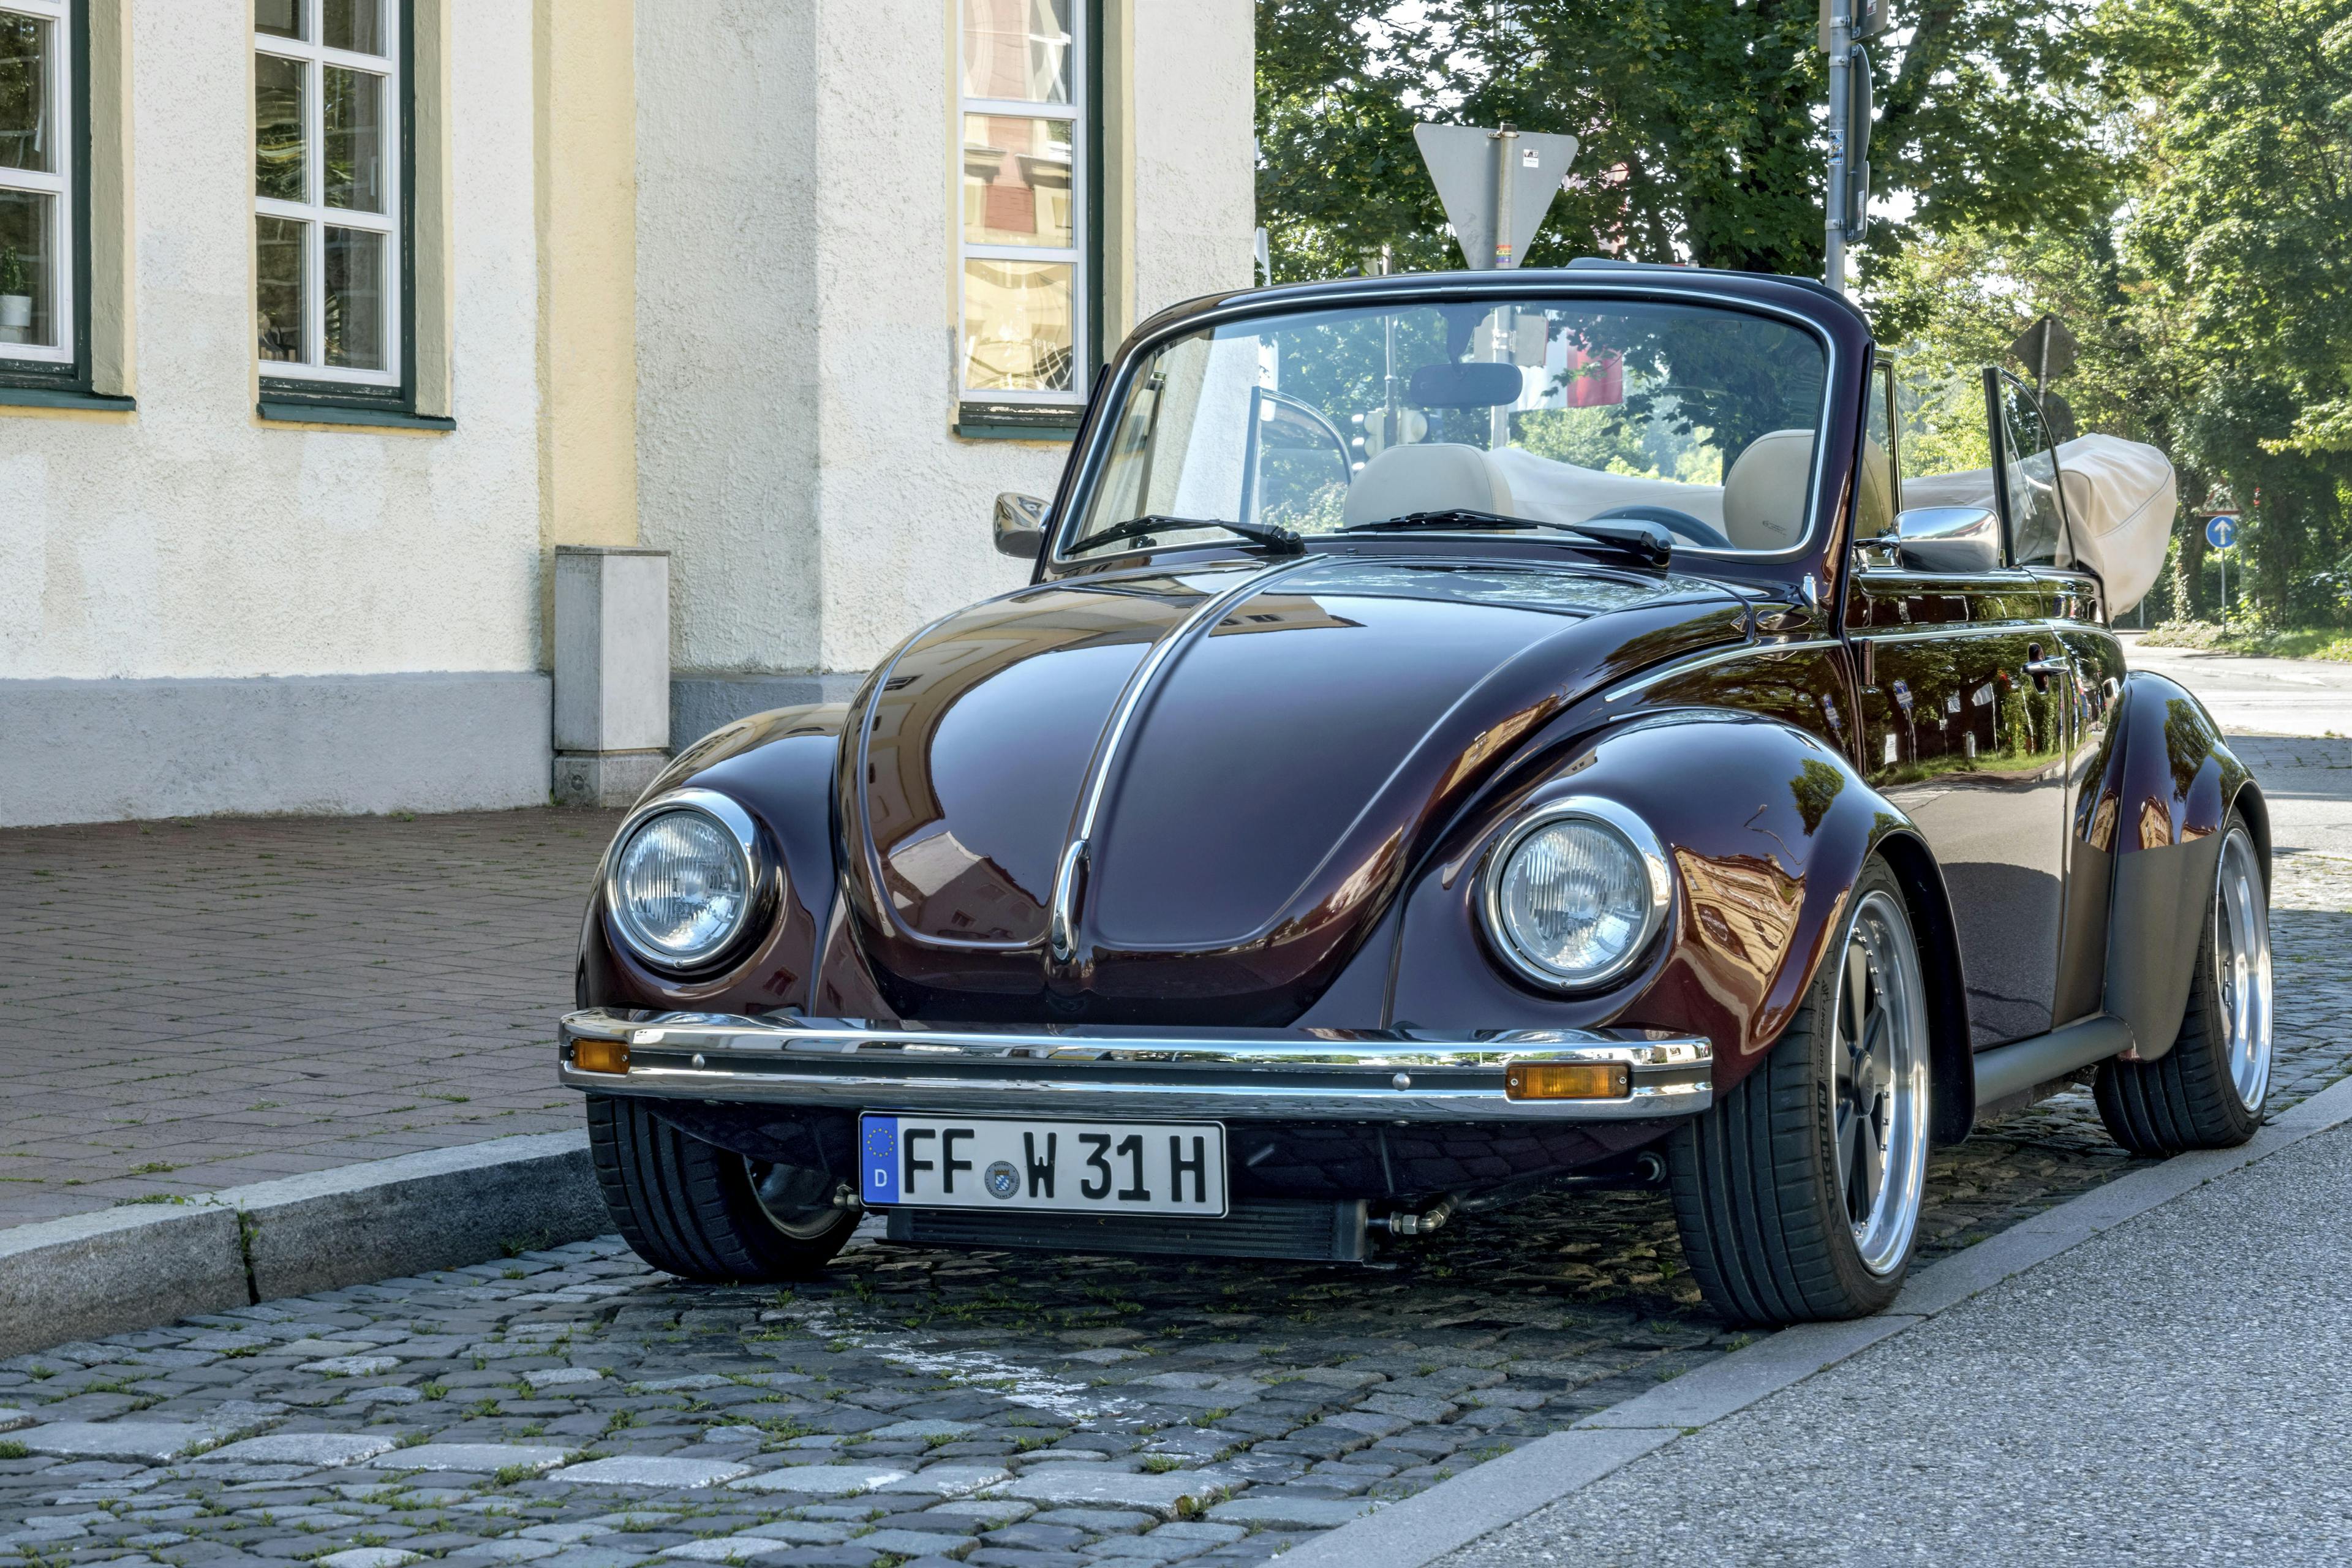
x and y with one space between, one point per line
1650 545
1281 540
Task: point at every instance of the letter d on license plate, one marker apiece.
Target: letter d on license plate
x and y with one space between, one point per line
972 1163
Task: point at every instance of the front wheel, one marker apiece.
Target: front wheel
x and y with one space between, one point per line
1798 1192
696 1210
2206 1092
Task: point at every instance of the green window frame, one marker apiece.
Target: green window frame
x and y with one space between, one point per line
1005 400
45 121
295 37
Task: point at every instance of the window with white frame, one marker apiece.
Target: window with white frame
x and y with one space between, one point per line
1022 278
37 177
327 105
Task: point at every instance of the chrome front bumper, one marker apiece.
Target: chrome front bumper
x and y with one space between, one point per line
1265 1075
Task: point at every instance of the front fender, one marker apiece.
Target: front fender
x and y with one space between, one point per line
2166 786
1766 829
780 765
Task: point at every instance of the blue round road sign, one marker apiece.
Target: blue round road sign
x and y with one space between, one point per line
2221 531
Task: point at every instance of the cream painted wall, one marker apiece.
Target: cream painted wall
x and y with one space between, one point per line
189 540
794 345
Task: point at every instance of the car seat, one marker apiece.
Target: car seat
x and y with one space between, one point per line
1764 492
1433 475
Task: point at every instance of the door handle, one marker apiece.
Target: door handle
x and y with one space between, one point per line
2043 668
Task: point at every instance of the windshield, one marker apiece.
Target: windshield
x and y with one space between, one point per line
1693 419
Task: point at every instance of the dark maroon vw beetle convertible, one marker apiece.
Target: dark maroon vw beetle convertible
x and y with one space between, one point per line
1460 733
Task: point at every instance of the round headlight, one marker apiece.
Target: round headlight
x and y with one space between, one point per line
684 880
1575 892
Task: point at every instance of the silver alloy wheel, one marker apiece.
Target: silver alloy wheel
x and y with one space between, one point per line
2242 959
1879 1049
795 1200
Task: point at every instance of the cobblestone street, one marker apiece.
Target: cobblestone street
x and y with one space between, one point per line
573 1408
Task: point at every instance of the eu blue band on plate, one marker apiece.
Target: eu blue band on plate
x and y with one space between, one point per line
879 1146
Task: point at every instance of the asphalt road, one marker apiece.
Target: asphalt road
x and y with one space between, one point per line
2173 1391
2259 696
2289 720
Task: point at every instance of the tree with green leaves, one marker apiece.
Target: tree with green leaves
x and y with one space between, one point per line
1700 122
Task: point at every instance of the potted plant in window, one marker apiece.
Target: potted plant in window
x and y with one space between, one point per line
15 296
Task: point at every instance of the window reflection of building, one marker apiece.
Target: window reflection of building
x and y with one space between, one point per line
1744 907
1022 116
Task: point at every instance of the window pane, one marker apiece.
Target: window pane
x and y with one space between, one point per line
355 299
1018 50
277 128
27 269
354 113
1873 500
279 18
278 291
1017 325
1016 181
28 141
354 25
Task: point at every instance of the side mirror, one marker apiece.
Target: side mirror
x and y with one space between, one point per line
1020 525
1948 539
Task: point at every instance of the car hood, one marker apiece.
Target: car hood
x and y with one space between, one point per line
1253 756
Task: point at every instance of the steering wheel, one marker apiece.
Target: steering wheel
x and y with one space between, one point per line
1667 518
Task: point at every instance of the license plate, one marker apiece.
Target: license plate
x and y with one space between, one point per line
971 1162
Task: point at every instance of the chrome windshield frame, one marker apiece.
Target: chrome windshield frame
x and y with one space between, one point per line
1085 469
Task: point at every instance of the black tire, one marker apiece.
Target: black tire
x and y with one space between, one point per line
2186 1098
691 1208
1758 1193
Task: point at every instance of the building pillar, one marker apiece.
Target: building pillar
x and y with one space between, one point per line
612 672
605 605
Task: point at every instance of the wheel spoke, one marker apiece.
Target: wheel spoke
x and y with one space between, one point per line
1851 1135
1851 1003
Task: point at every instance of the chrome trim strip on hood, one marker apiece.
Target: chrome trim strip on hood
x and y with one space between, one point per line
1061 920
1269 1074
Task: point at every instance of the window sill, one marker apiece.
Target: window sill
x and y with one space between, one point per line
277 413
45 397
1017 422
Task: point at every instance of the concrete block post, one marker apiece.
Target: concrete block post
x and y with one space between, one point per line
612 672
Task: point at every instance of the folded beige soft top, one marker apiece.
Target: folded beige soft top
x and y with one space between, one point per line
2120 501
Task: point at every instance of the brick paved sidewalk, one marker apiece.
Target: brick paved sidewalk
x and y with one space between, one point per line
190 1006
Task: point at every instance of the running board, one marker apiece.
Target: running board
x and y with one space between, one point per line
2008 1076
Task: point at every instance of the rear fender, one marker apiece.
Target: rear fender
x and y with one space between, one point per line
2164 793
1766 829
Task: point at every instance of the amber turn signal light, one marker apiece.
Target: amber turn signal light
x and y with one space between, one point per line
601 1056
1567 1080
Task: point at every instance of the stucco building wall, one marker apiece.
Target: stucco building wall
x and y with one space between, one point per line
796 309
190 539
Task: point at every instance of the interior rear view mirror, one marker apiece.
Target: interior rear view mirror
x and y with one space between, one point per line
1948 539
1477 384
1020 524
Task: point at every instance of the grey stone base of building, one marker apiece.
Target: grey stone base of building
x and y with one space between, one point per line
701 704
104 751
605 778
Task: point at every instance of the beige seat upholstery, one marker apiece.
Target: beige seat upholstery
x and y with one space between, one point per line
1764 493
1427 476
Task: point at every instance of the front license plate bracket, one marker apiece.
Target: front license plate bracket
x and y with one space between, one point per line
1170 1168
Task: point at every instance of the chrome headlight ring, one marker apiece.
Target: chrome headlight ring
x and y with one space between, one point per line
751 863
1632 834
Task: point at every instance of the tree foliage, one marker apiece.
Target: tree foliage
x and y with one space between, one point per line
2211 295
1700 123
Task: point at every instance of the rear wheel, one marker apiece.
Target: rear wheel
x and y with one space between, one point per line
694 1210
2206 1092
1798 1194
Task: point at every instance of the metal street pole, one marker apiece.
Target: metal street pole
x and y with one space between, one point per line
1840 60
1506 140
